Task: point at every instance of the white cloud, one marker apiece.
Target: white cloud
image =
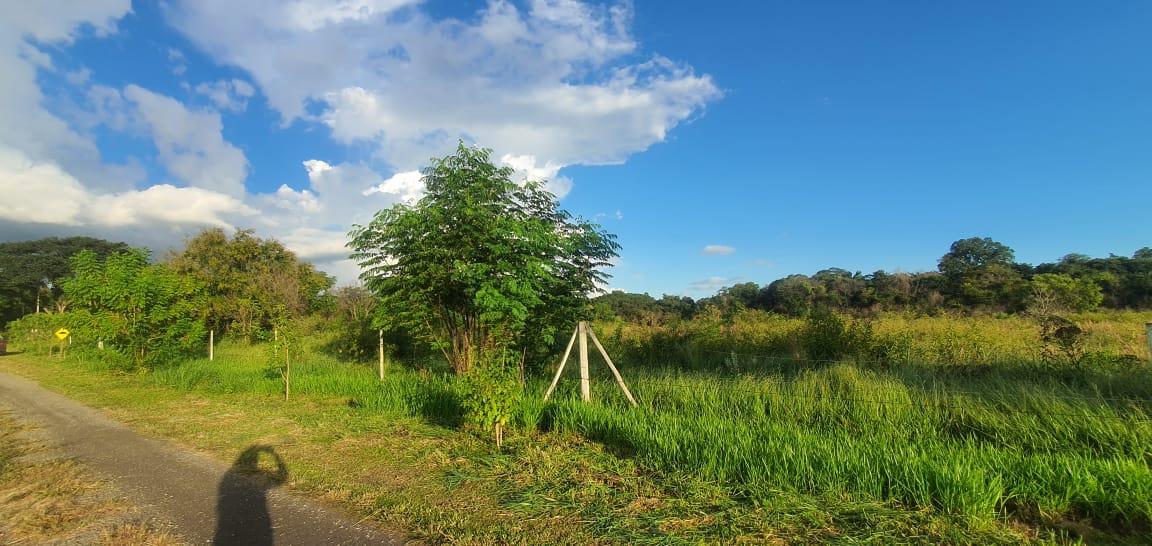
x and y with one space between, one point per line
709 285
61 20
52 176
27 126
548 84
227 94
407 185
60 199
190 142
718 249
317 244
526 168
311 15
54 181
167 204
557 80
314 221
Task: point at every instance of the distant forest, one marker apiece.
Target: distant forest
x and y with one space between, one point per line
975 275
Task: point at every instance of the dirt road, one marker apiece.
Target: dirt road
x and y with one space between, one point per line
206 501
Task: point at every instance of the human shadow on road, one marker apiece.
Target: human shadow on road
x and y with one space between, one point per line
242 503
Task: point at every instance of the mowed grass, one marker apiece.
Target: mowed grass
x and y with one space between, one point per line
838 452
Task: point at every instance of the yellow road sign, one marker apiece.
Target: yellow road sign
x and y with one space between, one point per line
62 333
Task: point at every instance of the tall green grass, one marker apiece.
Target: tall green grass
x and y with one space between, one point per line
981 446
1000 450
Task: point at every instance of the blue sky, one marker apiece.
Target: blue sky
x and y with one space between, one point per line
738 141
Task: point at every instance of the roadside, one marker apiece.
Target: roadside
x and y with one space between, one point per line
49 498
204 500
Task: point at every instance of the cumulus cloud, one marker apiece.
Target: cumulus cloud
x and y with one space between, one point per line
560 81
52 176
227 94
314 221
190 142
28 127
407 185
547 84
61 199
718 250
527 168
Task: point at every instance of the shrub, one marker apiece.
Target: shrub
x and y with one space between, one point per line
490 394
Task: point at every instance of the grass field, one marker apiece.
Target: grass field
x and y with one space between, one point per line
755 449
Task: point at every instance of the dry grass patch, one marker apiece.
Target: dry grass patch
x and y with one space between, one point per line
48 499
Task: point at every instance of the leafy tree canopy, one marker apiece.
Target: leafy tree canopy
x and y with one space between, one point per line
975 253
35 268
142 313
249 279
1054 292
480 262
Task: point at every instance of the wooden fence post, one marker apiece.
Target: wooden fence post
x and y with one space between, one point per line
211 345
381 366
585 386
563 361
287 371
611 366
1148 338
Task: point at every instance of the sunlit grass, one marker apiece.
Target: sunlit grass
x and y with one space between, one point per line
980 447
971 435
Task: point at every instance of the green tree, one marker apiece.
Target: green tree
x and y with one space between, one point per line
793 295
975 254
31 271
481 263
147 312
979 271
1053 292
249 279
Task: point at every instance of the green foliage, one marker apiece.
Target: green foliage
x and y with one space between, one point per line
353 320
249 279
145 312
828 336
490 394
793 295
980 272
480 260
32 270
285 349
975 254
1058 292
996 448
1063 339
977 276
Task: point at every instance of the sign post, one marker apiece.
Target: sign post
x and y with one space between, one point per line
62 334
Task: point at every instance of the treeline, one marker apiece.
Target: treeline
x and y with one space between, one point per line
142 312
31 271
975 275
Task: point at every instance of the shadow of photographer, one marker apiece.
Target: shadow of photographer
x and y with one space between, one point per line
242 515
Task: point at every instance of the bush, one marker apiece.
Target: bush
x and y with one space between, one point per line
828 336
490 394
